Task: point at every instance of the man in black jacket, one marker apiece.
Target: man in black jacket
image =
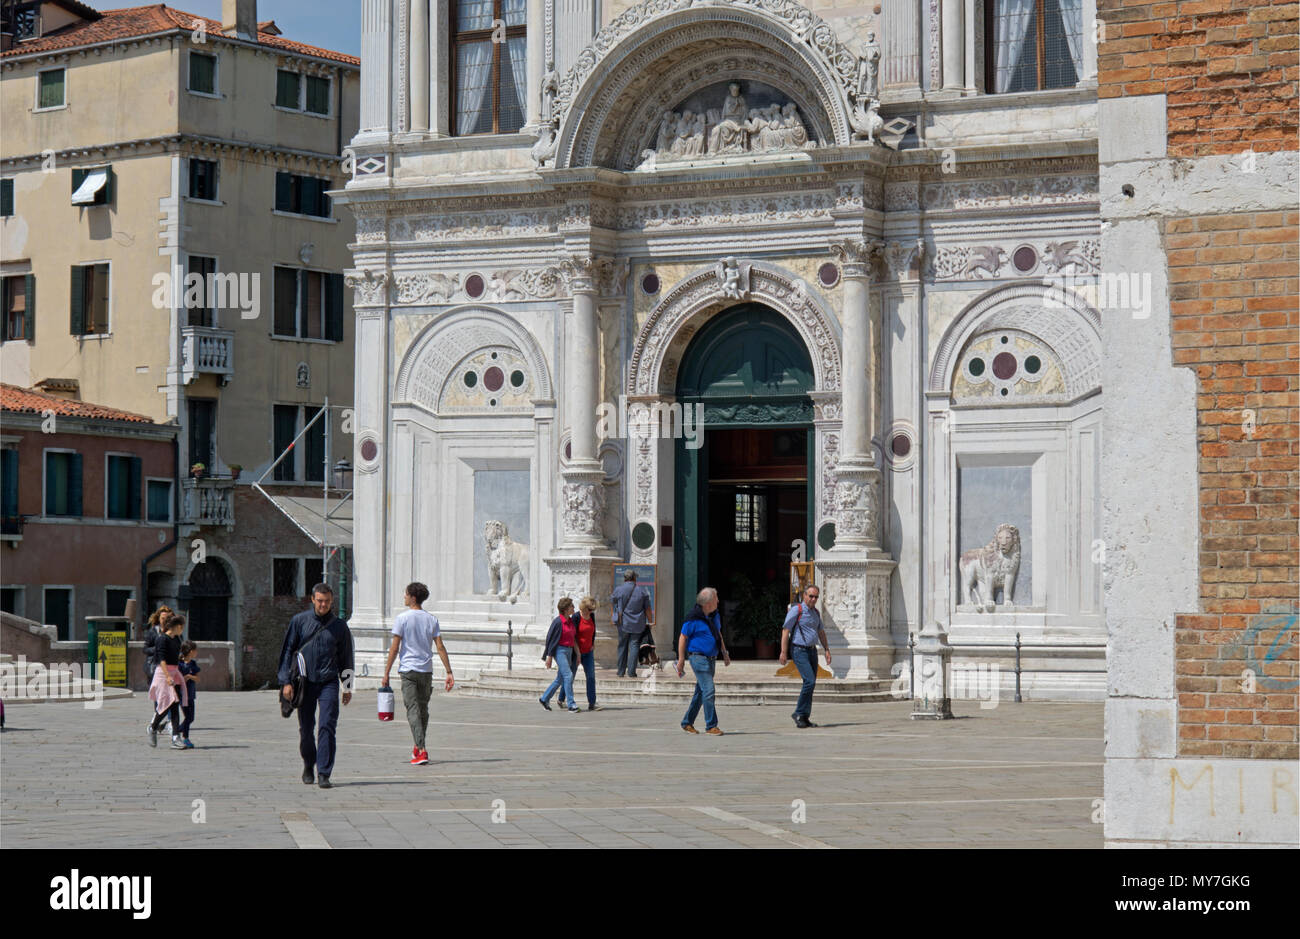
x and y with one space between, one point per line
325 644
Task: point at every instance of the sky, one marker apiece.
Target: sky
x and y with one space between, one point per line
329 24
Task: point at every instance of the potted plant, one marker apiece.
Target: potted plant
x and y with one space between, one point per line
198 469
235 470
770 612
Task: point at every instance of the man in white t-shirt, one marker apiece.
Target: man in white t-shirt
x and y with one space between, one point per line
415 635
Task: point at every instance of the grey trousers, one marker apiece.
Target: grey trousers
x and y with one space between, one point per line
417 687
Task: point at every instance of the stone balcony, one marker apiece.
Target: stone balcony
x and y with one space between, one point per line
207 350
207 501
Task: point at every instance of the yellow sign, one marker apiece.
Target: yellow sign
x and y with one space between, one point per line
112 658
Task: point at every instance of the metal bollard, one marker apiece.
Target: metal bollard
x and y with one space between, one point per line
911 666
1017 668
510 646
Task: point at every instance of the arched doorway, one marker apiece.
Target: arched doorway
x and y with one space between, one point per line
209 602
746 492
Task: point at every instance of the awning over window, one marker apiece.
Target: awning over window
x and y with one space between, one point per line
309 514
95 181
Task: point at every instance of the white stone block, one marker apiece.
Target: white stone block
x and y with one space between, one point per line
1211 802
1141 728
1131 128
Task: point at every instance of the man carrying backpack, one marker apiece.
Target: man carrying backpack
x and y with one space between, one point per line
799 635
632 613
321 645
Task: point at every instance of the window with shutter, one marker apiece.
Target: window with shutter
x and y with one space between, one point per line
313 306
203 73
314 456
29 313
334 307
283 192
115 497
287 89
160 500
318 95
8 485
198 298
203 179
6 198
74 484
285 417
13 294
286 302
51 89
77 297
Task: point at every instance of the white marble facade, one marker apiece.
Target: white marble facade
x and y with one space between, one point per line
939 270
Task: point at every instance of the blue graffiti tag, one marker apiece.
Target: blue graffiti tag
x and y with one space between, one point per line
1261 631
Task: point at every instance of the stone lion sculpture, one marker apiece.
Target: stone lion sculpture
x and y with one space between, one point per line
507 562
984 570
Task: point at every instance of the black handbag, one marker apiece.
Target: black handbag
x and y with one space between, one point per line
288 705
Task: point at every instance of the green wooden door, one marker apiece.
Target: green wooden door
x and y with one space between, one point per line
748 367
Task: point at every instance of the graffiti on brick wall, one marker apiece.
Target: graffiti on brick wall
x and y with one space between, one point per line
1265 647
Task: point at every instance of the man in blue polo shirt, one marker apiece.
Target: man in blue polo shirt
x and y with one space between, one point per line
701 639
799 635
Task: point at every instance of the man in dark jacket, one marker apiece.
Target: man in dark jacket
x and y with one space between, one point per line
325 645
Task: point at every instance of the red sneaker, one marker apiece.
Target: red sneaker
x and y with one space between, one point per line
421 758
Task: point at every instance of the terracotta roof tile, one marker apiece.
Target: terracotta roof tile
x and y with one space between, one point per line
132 22
29 401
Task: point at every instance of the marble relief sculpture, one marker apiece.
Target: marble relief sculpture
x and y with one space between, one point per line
984 570
734 128
507 562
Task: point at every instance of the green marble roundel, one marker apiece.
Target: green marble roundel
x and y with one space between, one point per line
643 536
826 536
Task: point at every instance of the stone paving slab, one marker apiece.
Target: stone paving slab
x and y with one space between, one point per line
1022 775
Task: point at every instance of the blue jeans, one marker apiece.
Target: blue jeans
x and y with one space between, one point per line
805 659
589 669
321 749
703 667
629 647
564 664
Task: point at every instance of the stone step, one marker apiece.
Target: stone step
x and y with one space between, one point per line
751 683
34 683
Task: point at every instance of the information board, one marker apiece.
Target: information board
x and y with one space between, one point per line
645 577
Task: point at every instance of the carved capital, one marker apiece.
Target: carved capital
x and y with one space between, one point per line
610 276
856 255
903 258
369 286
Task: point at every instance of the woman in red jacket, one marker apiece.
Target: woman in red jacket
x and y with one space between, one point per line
586 645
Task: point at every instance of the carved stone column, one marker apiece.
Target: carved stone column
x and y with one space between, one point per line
420 47
954 45
535 46
581 565
855 572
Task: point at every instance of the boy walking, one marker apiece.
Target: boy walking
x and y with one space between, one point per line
189 668
415 635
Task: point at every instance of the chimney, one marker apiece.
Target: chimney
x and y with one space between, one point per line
239 18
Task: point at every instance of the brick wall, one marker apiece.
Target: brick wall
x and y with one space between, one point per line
1233 298
1229 68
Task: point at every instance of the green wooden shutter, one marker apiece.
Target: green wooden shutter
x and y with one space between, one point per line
133 476
78 177
51 495
8 482
78 305
6 197
334 309
106 194
284 192
74 484
323 199
29 315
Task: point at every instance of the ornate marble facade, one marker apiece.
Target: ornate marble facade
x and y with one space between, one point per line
694 155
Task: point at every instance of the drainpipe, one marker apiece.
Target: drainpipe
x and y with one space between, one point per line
176 532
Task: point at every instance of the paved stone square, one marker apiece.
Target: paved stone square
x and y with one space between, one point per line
1013 776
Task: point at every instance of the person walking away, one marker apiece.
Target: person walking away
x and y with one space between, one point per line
188 668
632 611
153 631
701 640
585 642
415 635
799 635
560 639
168 688
324 643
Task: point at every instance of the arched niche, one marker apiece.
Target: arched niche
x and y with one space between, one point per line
611 101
